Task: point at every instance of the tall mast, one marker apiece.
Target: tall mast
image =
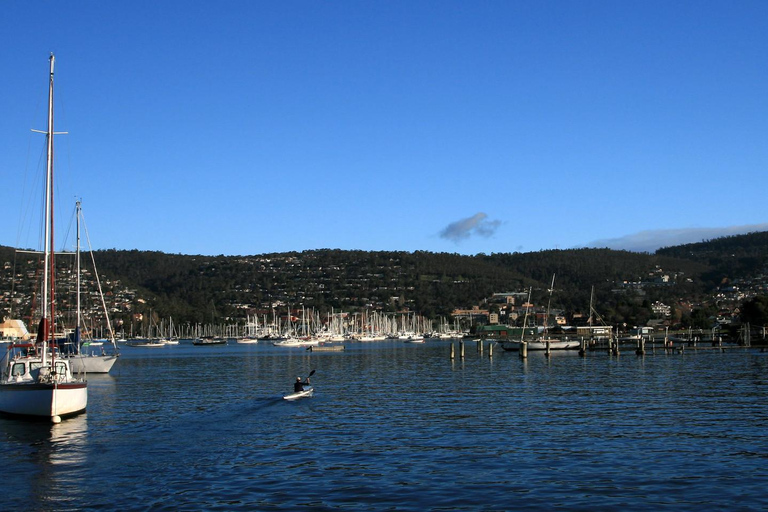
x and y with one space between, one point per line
48 290
77 267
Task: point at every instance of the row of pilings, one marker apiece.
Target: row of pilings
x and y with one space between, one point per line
611 346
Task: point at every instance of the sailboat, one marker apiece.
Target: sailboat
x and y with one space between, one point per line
36 381
80 361
545 342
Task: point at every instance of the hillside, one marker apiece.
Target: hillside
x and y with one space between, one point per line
727 258
208 289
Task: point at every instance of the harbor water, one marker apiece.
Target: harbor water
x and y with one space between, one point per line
399 426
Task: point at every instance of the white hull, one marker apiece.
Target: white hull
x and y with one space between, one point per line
300 394
296 343
43 400
542 345
92 364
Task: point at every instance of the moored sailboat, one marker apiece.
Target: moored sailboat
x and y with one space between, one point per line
82 361
545 342
36 381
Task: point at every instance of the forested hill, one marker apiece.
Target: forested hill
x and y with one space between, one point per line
731 257
207 288
433 284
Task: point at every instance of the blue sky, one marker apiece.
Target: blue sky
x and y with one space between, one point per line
246 127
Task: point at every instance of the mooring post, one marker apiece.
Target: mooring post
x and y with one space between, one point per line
490 348
480 346
461 349
583 347
523 350
640 347
548 351
453 350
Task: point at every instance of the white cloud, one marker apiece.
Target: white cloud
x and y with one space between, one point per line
651 240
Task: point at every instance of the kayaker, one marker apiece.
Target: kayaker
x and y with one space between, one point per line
298 387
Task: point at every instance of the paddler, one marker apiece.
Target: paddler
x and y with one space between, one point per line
298 386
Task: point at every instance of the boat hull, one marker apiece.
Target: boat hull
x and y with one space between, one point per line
301 394
92 364
43 400
513 346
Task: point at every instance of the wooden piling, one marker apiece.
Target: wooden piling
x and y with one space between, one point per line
461 349
453 351
490 349
524 350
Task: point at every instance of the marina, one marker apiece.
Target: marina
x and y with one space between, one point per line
396 425
326 278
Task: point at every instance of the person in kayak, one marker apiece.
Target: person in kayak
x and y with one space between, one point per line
298 386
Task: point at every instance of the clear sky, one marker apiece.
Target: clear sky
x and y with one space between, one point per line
247 127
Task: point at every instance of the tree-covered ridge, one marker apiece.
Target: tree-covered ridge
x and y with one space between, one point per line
728 258
622 285
434 284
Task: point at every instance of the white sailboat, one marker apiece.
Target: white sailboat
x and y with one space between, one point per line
82 361
545 342
35 380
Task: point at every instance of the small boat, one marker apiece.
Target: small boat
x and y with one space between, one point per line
301 394
297 342
209 340
326 348
541 344
139 342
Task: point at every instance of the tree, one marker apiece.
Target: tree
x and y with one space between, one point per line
755 311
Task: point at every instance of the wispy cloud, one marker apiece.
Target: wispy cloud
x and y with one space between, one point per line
478 224
651 240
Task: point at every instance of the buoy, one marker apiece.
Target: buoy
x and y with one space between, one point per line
56 419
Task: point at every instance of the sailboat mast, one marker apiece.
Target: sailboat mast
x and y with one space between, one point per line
48 289
549 302
525 318
77 269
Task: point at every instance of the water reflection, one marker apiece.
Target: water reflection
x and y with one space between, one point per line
49 458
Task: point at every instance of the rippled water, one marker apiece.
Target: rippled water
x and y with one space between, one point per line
396 426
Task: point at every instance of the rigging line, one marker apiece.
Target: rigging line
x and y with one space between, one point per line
98 281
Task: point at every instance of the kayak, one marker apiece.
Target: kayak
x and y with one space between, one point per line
300 394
